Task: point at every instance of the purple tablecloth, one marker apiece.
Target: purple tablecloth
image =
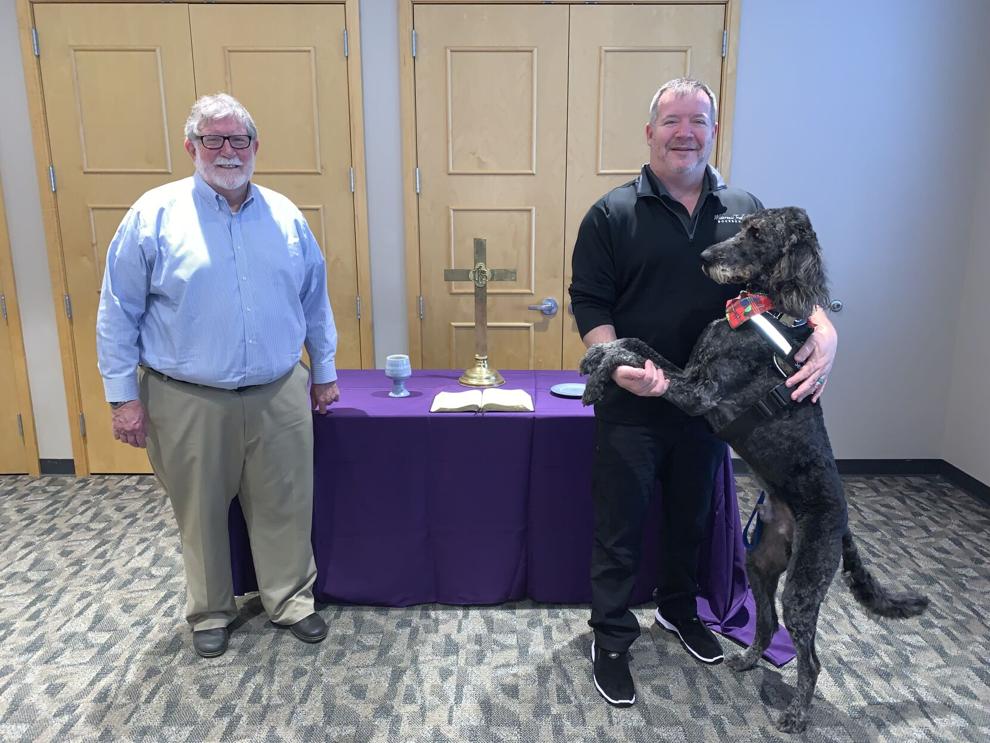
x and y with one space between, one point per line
460 508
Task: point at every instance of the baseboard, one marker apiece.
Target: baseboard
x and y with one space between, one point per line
890 466
57 466
953 474
965 482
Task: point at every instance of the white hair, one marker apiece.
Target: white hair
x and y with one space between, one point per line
218 106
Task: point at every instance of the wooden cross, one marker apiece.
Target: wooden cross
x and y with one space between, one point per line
480 375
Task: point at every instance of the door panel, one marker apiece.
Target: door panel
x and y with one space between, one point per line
619 56
286 64
500 92
14 450
491 86
118 83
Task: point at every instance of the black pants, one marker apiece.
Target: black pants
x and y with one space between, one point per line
685 456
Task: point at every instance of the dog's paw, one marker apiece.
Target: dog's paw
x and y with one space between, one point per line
742 661
793 720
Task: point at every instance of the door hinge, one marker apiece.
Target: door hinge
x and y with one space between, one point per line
3 306
67 300
51 177
358 303
725 43
414 43
422 307
418 183
82 425
351 176
20 426
347 46
35 44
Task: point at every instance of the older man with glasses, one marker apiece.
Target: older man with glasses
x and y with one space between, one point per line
212 286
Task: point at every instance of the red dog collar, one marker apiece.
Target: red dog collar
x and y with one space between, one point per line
745 306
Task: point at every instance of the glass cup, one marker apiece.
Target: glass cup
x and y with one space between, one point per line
398 369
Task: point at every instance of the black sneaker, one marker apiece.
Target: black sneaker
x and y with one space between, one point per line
696 638
612 677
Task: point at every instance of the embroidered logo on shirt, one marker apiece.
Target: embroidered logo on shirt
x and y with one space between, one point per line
730 218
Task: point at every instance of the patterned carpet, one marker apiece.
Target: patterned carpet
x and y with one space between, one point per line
93 645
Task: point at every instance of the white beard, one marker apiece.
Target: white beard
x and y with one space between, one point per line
229 180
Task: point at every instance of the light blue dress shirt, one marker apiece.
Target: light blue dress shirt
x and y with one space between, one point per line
210 297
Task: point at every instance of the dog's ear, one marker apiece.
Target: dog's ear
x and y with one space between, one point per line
799 280
592 358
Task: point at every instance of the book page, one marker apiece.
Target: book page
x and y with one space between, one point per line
456 402
504 400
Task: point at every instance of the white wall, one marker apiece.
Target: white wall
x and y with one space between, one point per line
967 420
27 243
865 113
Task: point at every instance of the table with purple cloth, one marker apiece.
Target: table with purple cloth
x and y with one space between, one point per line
414 507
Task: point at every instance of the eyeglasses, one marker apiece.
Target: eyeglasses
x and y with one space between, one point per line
215 141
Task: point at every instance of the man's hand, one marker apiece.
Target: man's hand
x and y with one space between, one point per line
323 396
646 382
817 356
130 424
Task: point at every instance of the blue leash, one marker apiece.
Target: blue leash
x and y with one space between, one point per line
750 544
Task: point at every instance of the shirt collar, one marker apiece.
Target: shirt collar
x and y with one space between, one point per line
202 189
649 185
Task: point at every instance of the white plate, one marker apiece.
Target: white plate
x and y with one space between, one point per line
568 389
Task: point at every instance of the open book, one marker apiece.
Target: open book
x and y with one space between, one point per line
490 398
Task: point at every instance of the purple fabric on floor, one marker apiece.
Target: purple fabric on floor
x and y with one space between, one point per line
411 507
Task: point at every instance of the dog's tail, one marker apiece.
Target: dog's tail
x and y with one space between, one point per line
876 599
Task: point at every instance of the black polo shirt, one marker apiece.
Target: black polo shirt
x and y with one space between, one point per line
636 266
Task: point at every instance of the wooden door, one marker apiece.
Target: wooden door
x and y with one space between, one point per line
118 84
286 64
492 115
619 56
491 107
18 452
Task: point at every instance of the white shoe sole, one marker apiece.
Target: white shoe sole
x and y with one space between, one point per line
671 628
606 697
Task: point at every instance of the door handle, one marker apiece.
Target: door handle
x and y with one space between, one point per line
548 306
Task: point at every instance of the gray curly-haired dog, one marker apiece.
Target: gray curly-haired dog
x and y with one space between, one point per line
729 375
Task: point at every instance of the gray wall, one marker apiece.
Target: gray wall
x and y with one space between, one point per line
866 114
27 243
967 417
383 156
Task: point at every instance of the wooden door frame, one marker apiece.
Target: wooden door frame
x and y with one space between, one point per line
407 116
49 211
22 389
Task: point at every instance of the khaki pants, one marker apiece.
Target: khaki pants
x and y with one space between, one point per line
207 445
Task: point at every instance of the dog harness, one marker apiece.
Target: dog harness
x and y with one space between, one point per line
755 311
772 328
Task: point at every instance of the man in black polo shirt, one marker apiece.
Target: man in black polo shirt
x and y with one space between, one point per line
637 274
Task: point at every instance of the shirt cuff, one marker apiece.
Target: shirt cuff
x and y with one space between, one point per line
121 389
324 373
